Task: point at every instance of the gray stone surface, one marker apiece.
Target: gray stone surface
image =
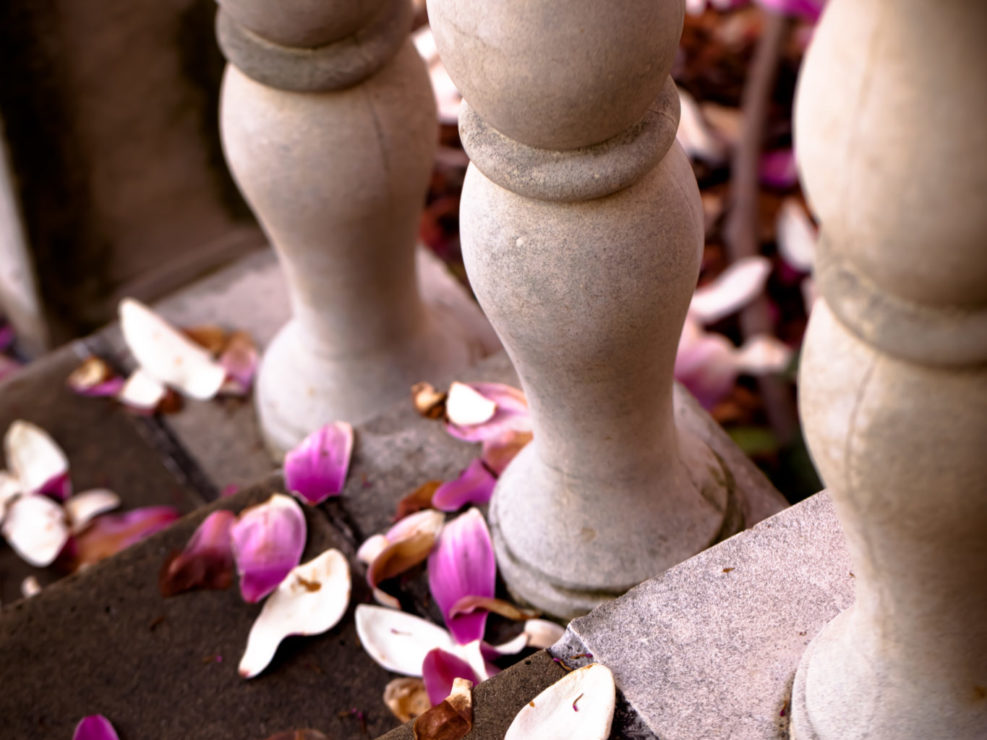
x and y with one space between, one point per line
708 650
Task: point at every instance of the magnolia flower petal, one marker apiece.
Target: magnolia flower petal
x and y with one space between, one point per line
778 170
206 561
35 527
427 520
108 534
763 354
211 337
36 460
466 407
30 587
451 719
94 727
417 500
94 377
705 364
542 633
475 485
385 599
316 469
512 647
239 359
462 564
428 402
398 641
506 609
268 540
795 235
511 414
373 546
142 392
311 600
406 697
695 135
84 507
733 289
500 450
399 557
440 669
578 705
168 355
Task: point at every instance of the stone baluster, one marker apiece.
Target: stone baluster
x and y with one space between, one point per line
329 128
891 141
582 235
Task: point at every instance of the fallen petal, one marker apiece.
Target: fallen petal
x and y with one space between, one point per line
142 392
778 170
406 697
206 561
470 604
30 587
84 507
373 546
36 460
385 599
399 557
440 669
499 451
467 407
35 527
511 414
579 705
94 727
763 354
316 469
268 540
428 402
795 235
542 633
398 641
475 485
427 520
94 377
211 337
705 364
108 534
168 355
310 600
733 289
239 359
417 500
451 719
462 564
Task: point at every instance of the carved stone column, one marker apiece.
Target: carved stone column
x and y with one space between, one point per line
582 234
891 141
329 128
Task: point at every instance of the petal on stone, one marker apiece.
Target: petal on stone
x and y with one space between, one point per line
542 633
142 392
36 460
399 557
84 507
168 355
316 469
239 359
440 669
451 719
94 727
467 407
511 414
462 564
268 540
94 377
795 235
733 289
309 601
499 451
475 485
398 641
506 609
35 527
579 705
406 697
206 561
108 534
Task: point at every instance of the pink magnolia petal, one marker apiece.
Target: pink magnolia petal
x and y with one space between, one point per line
733 289
36 460
777 169
475 485
499 451
705 364
316 469
795 236
239 359
36 529
94 727
110 533
268 540
440 669
462 564
511 414
206 561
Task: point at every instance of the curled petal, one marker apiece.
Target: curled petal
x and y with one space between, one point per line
428 402
467 407
733 289
168 355
428 520
108 534
36 460
142 392
398 641
440 669
239 359
35 527
385 599
268 540
206 561
399 557
450 719
84 507
580 704
373 546
211 337
462 564
795 236
316 469
475 485
543 633
406 698
499 451
310 600
94 727
94 377
470 604
417 500
511 414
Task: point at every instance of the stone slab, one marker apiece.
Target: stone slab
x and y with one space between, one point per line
709 648
107 447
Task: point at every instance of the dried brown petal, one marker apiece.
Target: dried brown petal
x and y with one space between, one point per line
429 402
469 604
210 337
93 371
418 500
450 720
406 698
400 556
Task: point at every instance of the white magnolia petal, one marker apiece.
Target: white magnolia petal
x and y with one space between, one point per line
399 641
579 706
167 354
762 354
83 507
733 289
795 235
35 527
465 406
142 391
373 546
513 646
30 587
385 599
695 135
543 633
426 521
310 600
472 653
33 456
10 488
